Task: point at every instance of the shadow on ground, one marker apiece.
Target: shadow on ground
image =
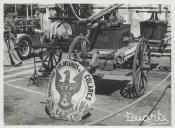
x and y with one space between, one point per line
107 86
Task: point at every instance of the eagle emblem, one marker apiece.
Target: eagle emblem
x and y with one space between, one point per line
71 91
67 89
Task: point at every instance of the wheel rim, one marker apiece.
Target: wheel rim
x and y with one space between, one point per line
79 49
50 58
128 91
141 67
24 48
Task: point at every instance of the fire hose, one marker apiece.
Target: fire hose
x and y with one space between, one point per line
168 86
120 110
129 105
98 15
75 14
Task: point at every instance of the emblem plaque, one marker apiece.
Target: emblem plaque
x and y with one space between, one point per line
71 91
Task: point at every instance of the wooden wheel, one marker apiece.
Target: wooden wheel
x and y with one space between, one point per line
141 67
50 58
128 91
78 49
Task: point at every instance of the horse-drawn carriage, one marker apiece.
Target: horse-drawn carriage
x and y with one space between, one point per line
94 40
97 39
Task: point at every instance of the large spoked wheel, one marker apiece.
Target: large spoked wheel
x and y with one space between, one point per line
24 49
141 67
50 58
78 50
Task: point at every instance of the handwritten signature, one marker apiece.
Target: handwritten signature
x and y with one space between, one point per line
152 119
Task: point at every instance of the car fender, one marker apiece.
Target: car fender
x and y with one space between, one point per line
22 36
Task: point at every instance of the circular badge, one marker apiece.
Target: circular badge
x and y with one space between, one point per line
71 91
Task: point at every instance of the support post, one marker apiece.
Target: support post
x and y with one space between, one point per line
31 10
15 9
27 13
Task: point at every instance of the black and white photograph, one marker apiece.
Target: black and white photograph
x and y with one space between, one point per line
87 64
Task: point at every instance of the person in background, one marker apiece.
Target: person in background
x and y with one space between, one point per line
10 54
115 17
115 20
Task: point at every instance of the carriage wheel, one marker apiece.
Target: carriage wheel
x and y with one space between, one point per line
78 50
128 91
141 67
50 58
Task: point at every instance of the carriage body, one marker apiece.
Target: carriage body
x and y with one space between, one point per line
93 42
153 29
112 38
156 31
99 41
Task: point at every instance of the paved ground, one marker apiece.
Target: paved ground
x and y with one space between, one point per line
22 103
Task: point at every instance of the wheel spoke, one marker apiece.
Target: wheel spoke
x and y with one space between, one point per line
144 76
140 55
57 55
60 57
139 81
138 70
51 61
143 81
48 65
129 91
145 55
145 48
134 93
125 92
55 59
46 57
